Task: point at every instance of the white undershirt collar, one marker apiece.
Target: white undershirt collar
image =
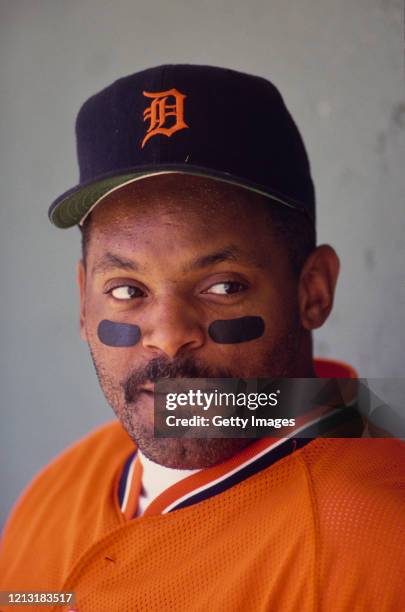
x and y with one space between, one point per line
155 479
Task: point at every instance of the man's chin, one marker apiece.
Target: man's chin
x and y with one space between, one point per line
179 453
189 453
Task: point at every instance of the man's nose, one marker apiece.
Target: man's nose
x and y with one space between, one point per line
172 327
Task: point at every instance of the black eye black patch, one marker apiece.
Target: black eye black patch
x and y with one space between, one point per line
118 334
232 331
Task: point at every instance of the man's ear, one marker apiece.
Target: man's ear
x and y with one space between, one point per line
81 282
317 286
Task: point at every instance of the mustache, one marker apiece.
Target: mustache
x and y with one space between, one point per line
159 367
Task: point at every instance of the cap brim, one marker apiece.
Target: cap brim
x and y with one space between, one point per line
73 206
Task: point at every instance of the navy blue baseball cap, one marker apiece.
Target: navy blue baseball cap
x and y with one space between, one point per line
188 119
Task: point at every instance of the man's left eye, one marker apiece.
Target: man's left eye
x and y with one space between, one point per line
226 288
126 292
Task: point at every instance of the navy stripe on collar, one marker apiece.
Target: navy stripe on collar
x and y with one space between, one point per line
123 480
280 449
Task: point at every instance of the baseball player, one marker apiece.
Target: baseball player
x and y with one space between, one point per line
199 260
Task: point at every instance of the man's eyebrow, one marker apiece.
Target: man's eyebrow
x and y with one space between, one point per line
109 261
228 253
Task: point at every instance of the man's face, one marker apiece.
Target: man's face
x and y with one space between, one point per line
173 254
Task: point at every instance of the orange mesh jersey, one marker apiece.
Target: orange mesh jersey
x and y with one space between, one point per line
279 527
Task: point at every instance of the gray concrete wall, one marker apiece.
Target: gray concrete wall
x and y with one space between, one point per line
340 68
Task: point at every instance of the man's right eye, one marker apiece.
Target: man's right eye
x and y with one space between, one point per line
126 292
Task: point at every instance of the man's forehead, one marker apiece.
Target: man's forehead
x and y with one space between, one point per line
167 196
183 218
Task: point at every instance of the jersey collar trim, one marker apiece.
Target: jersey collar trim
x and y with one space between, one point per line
211 481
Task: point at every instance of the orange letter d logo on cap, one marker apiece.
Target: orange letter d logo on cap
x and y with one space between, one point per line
165 104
